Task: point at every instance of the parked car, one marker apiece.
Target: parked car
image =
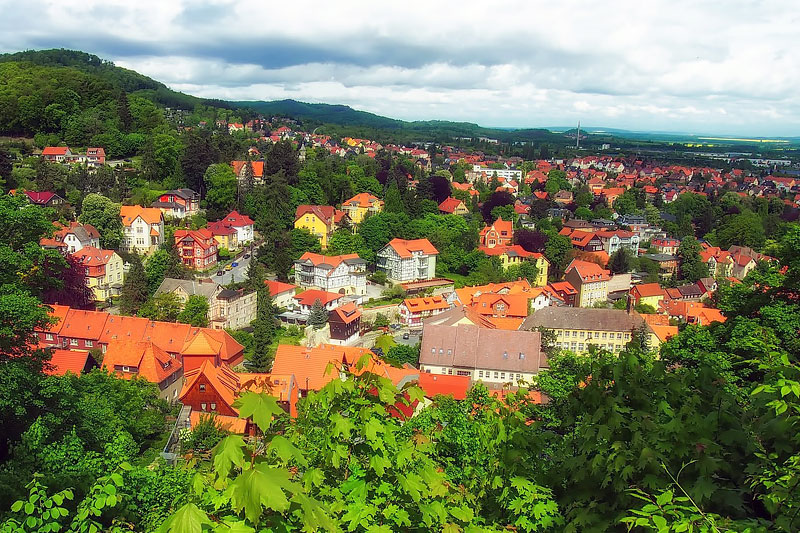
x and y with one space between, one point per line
220 272
234 264
247 256
405 336
228 267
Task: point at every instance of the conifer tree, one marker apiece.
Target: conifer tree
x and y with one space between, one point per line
318 317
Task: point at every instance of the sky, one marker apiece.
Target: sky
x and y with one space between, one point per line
711 67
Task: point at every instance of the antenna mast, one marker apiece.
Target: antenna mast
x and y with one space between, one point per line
578 137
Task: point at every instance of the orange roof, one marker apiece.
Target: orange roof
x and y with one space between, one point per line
503 227
129 213
310 296
645 290
223 380
235 425
363 199
55 150
512 251
84 324
432 303
348 312
406 248
309 364
589 272
207 341
258 167
151 362
63 361
91 256
435 385
664 333
277 287
167 336
124 328
563 286
510 324
59 312
516 305
450 205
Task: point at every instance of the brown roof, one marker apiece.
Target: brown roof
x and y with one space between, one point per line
583 318
470 346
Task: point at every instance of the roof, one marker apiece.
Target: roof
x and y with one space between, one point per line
201 237
330 262
41 197
347 313
309 364
460 315
469 346
91 256
431 303
190 286
124 328
437 384
81 324
55 150
153 363
237 220
645 290
235 425
589 272
129 213
221 228
563 286
63 361
511 251
224 381
83 232
325 213
503 227
278 287
363 199
406 248
310 296
516 305
167 336
258 167
59 312
583 318
450 205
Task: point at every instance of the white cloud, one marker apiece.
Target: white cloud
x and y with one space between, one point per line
717 66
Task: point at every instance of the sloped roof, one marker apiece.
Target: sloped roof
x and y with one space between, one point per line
91 256
278 287
363 199
224 381
308 364
436 384
83 324
430 303
63 361
310 296
153 363
325 213
58 312
237 220
55 150
235 425
450 205
583 318
459 314
589 272
258 167
405 248
329 262
347 313
129 213
645 290
124 328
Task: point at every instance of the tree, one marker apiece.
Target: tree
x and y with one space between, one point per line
282 158
135 288
198 154
393 201
103 214
302 241
625 203
72 289
220 183
319 316
621 261
165 306
496 199
404 353
531 240
195 311
156 268
22 222
692 267
263 332
557 252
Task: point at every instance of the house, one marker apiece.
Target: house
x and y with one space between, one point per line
178 203
214 389
76 236
319 220
45 198
345 274
742 265
637 223
104 271
142 228
667 264
590 280
240 169
565 291
345 324
577 328
500 233
81 330
243 226
213 345
361 205
692 312
304 301
197 248
494 356
563 197
414 310
310 366
614 240
282 294
145 360
57 154
453 206
583 240
504 304
227 309
74 361
408 260
515 255
48 335
647 293
666 245
95 157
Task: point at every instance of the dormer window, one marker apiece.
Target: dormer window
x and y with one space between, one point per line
202 387
505 355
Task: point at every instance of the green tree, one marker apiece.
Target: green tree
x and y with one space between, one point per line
319 316
404 353
220 183
557 252
103 214
195 311
135 288
692 267
165 306
393 201
621 261
263 332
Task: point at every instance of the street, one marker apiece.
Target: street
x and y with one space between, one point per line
237 273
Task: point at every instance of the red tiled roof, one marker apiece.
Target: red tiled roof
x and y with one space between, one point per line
450 205
363 199
40 197
55 150
84 324
648 289
347 313
436 384
258 167
237 220
310 296
405 248
63 361
91 256
129 213
152 363
431 303
325 213
309 365
58 312
278 287
589 272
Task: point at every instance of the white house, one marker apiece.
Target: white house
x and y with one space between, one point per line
343 274
142 228
613 240
78 236
405 260
243 226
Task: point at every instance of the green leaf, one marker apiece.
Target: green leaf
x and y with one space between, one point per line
313 514
227 454
233 526
260 486
659 521
286 450
664 498
110 489
16 506
261 407
187 519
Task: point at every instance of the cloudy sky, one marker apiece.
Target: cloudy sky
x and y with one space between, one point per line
714 66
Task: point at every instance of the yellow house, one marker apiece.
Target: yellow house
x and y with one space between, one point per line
577 328
453 206
647 293
515 255
104 271
226 236
320 220
359 205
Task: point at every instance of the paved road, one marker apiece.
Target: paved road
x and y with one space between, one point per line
237 273
412 339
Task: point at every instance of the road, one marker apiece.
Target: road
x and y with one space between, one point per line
237 273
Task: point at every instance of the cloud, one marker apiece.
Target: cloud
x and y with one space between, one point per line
716 67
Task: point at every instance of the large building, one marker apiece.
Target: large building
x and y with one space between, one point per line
233 231
408 260
576 328
142 228
197 248
104 271
145 360
494 356
178 203
361 205
516 255
590 280
500 233
227 309
614 240
343 274
414 310
319 220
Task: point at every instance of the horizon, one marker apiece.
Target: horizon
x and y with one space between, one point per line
731 72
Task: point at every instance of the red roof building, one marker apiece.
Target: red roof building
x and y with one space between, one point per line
197 248
500 233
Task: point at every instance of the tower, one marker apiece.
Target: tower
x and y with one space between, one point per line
578 137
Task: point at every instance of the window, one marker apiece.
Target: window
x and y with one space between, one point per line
202 407
574 333
202 387
619 335
521 355
73 342
463 373
502 375
449 352
126 369
496 374
433 350
89 344
580 346
480 373
605 334
582 334
213 406
505 355
450 371
48 336
441 351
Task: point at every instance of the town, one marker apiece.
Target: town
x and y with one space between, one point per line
240 274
